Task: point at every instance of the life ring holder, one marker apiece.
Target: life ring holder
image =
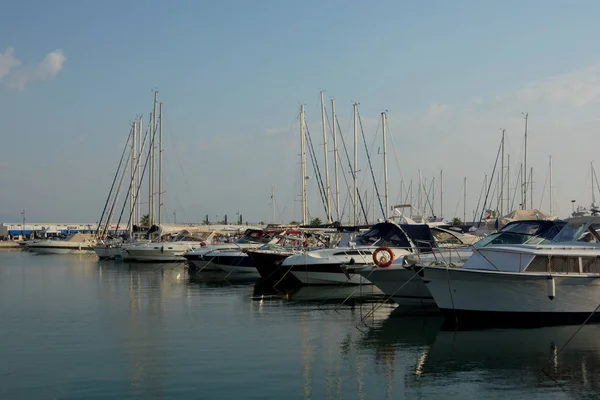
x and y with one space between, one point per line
380 263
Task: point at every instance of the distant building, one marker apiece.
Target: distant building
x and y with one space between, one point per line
16 231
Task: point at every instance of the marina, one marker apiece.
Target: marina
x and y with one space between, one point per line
284 200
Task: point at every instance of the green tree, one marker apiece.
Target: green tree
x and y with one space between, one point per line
145 220
456 221
294 223
316 221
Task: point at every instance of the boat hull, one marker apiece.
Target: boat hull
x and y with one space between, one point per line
268 265
490 296
403 285
328 274
49 249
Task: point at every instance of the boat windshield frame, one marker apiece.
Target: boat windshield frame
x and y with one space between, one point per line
579 230
384 234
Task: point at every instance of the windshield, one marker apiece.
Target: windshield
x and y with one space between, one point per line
509 238
383 234
581 231
526 228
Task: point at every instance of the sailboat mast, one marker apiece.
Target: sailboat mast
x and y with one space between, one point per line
502 177
592 172
531 187
524 171
132 182
303 164
507 182
335 162
550 168
160 151
385 169
151 174
327 183
273 202
137 173
420 198
441 194
465 201
355 167
153 160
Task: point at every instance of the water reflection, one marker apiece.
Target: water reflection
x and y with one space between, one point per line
340 294
509 354
75 328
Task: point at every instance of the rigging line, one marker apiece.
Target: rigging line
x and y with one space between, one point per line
489 187
478 202
116 194
518 182
316 169
151 144
129 222
171 133
114 180
402 184
370 165
112 208
544 189
427 195
360 201
596 179
572 336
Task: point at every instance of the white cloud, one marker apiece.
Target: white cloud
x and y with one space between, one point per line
577 88
436 109
7 62
50 66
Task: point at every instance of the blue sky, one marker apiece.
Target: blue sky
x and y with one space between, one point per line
232 75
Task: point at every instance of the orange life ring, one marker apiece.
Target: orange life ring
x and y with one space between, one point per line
384 261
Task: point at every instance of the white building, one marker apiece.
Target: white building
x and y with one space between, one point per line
17 231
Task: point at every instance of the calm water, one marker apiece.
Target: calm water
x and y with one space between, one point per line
74 328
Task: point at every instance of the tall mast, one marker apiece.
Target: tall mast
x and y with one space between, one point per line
153 160
303 164
465 201
441 194
522 191
550 167
327 184
507 181
132 183
151 174
502 178
531 187
592 172
420 197
524 171
335 162
273 202
138 178
355 167
385 170
160 151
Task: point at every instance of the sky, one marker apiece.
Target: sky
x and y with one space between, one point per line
233 74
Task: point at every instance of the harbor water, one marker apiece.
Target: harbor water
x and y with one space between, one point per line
75 328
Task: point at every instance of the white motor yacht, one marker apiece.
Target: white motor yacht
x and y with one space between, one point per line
555 282
340 265
78 243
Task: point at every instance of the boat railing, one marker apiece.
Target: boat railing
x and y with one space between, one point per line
437 255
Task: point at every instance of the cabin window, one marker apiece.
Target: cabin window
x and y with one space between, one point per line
557 264
590 265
